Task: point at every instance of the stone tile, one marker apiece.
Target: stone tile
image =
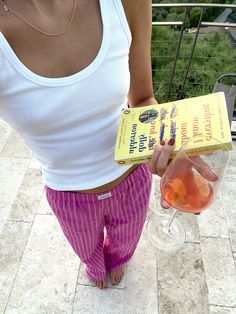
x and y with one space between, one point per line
228 198
44 207
34 163
229 206
141 288
220 271
222 310
91 300
12 244
28 197
2 144
212 221
181 281
190 224
47 276
5 131
231 170
154 203
141 280
15 147
12 172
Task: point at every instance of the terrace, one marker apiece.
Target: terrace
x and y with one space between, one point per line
39 273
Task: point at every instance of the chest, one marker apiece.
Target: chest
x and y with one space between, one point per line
58 56
29 102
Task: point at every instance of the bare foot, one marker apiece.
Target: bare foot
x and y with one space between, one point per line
117 275
101 284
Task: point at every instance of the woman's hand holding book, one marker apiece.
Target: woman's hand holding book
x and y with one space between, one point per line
160 157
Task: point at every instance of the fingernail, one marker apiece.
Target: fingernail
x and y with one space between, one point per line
171 142
162 142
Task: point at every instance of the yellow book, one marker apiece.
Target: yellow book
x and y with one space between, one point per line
141 128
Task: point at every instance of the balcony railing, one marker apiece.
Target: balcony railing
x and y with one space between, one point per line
180 76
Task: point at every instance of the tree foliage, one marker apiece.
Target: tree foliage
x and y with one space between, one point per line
214 55
175 14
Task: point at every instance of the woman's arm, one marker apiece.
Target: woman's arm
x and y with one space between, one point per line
139 17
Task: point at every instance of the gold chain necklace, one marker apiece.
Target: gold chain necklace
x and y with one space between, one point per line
7 8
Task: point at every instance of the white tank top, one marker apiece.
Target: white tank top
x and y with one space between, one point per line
70 123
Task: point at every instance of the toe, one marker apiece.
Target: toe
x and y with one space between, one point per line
98 284
116 276
112 279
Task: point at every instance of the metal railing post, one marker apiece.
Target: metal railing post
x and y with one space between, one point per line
192 52
177 54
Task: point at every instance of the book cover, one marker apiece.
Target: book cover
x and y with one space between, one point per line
141 128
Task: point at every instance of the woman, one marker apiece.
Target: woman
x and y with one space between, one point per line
67 69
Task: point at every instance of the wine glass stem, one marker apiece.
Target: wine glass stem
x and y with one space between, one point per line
167 227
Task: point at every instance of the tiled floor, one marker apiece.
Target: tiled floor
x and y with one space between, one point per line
39 273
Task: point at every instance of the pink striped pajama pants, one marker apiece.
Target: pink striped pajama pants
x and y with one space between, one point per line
121 210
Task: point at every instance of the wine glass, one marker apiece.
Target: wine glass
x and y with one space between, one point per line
189 184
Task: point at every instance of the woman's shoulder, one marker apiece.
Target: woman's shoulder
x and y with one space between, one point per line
135 11
127 5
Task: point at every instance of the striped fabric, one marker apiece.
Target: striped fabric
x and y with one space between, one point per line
121 211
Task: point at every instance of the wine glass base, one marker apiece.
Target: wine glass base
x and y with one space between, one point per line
163 239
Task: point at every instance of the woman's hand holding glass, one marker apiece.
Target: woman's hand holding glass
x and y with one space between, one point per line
187 184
